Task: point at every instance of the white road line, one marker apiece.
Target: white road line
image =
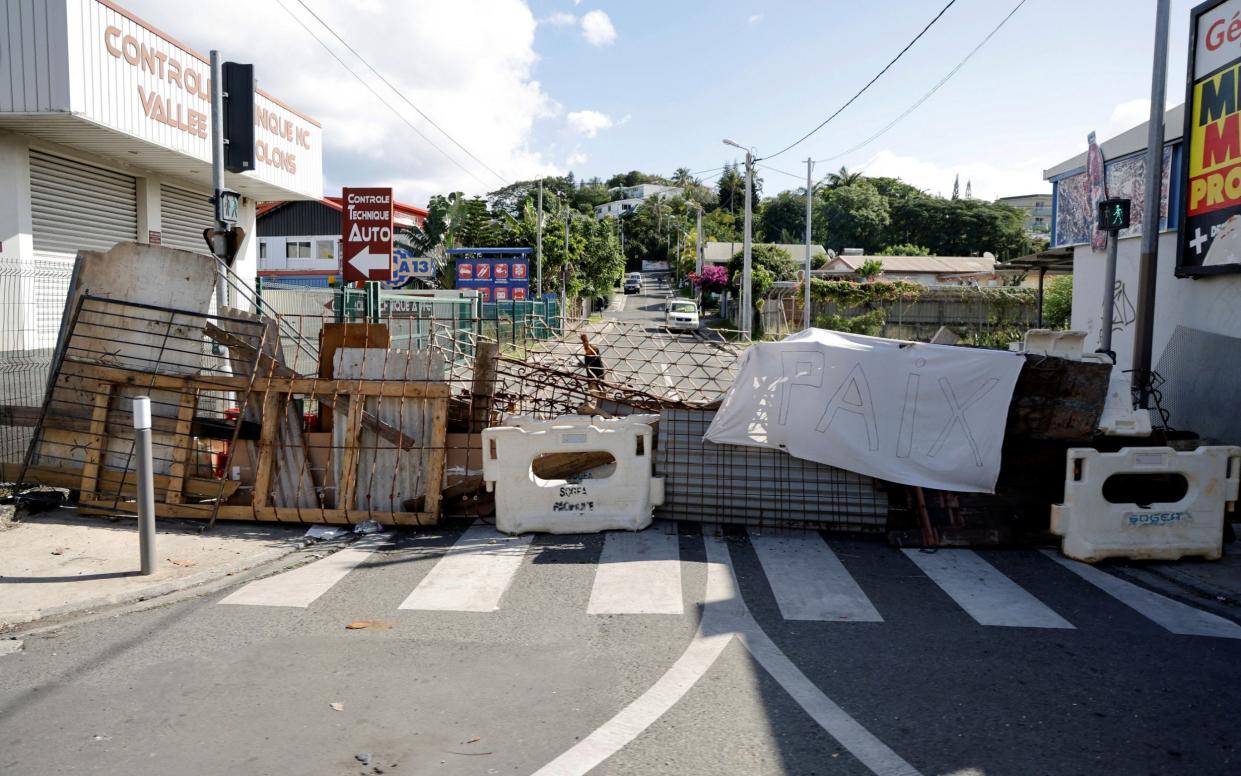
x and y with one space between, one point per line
638 573
724 615
983 592
809 581
1175 616
473 574
301 586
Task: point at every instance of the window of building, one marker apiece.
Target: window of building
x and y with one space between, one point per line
262 249
294 249
325 249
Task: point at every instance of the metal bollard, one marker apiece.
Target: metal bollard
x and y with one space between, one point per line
146 483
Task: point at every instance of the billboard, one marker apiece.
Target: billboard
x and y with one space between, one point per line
499 275
366 232
1209 242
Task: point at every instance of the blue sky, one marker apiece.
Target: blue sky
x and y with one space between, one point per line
545 86
688 74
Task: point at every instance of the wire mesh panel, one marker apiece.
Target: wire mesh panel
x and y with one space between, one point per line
714 483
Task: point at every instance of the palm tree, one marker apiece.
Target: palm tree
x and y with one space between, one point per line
842 178
682 177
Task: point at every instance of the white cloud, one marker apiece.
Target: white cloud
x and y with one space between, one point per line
597 28
473 74
1128 115
755 18
561 19
576 157
589 122
987 181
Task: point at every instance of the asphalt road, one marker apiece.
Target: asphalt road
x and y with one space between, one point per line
204 687
676 651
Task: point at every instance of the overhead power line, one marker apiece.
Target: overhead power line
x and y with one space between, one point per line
934 89
869 83
380 97
398 92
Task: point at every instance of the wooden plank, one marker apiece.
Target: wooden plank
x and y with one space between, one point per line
270 514
482 387
184 451
272 417
435 455
302 386
347 482
334 336
98 442
71 477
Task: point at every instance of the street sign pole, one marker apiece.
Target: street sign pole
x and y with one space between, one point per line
217 176
1113 216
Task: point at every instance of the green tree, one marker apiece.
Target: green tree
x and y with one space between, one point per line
1058 302
842 178
852 217
730 189
782 218
870 269
905 249
775 262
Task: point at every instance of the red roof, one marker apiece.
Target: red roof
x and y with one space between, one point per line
418 213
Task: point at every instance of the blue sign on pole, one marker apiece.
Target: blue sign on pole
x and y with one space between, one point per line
498 274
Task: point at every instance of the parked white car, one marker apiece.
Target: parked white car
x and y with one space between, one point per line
633 283
681 314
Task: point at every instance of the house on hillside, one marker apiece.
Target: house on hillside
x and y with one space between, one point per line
627 198
927 270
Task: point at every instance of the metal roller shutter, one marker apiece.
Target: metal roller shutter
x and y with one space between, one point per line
73 206
183 216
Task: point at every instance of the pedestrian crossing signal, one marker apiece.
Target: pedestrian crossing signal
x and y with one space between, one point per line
1113 215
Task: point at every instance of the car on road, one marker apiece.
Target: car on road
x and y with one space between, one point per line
633 282
681 315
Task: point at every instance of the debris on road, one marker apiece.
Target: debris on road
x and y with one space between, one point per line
337 706
325 533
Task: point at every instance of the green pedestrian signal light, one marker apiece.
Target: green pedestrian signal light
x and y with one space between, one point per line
1113 215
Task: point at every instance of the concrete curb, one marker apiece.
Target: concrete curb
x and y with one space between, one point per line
1181 591
157 590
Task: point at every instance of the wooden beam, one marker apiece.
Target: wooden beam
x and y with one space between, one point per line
435 456
183 452
70 477
273 416
98 444
271 514
347 487
483 386
303 386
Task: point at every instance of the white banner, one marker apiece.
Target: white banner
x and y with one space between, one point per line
913 413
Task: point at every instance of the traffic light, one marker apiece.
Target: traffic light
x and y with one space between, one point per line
1113 214
238 116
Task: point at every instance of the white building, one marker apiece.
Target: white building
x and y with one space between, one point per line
627 198
105 137
927 270
1197 322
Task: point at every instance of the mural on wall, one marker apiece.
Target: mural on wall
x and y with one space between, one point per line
1075 213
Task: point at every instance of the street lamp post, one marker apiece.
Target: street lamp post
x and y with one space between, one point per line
747 305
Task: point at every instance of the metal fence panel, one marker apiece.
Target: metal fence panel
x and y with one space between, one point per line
753 486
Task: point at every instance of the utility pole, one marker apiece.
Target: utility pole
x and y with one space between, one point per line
809 198
538 249
1148 266
564 274
217 175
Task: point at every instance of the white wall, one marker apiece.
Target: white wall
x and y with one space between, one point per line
1209 304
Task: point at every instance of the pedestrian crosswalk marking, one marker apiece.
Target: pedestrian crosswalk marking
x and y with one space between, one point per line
302 586
809 582
1173 615
473 574
638 573
983 591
